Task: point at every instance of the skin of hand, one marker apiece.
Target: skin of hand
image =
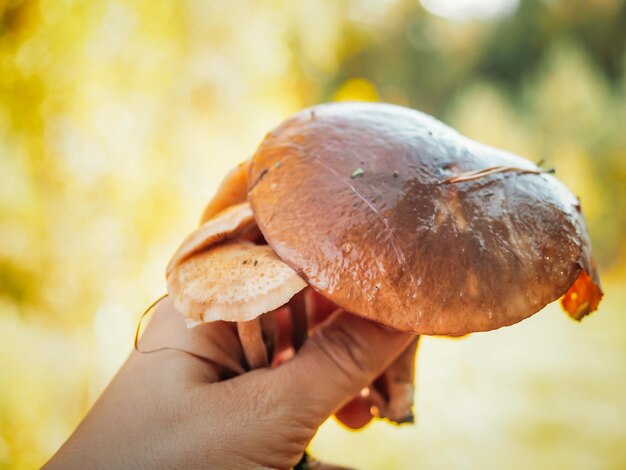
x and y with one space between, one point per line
171 409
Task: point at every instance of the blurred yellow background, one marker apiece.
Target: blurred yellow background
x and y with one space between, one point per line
119 117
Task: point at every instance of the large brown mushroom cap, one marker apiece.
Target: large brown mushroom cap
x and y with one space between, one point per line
365 202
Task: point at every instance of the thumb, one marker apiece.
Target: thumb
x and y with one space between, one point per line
344 354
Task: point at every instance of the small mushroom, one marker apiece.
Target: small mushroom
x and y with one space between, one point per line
463 238
223 283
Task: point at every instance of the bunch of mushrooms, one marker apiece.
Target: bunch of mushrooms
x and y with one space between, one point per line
391 215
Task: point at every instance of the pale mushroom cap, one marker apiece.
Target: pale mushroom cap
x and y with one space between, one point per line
354 197
233 281
226 224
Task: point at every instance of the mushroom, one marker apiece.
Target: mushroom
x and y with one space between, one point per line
246 280
391 215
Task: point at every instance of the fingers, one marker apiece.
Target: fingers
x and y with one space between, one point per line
356 413
216 342
344 355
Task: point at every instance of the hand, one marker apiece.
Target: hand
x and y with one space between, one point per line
170 409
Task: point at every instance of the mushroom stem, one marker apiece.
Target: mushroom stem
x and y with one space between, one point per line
395 400
299 320
251 337
269 330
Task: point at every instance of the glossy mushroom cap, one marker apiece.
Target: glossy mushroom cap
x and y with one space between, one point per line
398 218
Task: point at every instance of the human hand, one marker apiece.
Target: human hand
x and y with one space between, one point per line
175 410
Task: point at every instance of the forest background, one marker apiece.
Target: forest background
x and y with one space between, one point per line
119 118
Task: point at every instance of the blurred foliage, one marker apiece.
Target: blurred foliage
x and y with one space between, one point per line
118 119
